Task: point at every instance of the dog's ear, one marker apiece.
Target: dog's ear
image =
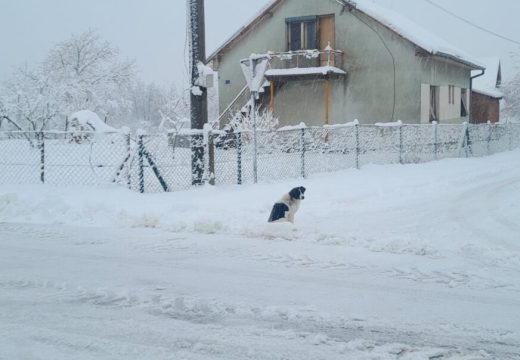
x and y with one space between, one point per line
295 193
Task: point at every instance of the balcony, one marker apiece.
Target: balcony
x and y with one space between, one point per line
306 64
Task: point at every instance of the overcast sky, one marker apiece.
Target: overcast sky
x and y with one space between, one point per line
153 31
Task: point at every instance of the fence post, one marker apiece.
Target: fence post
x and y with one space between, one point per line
400 142
255 139
356 127
239 157
140 152
302 148
510 126
129 156
211 158
489 137
435 140
41 145
465 138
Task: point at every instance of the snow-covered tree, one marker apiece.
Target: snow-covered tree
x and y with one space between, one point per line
174 111
85 72
511 104
157 108
145 104
90 75
511 90
29 100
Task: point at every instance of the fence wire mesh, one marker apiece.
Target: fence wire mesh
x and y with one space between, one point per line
168 162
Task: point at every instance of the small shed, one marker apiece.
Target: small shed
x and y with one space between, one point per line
486 94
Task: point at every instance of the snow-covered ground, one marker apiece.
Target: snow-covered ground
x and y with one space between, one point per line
389 262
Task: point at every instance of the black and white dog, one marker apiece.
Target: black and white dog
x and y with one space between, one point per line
285 208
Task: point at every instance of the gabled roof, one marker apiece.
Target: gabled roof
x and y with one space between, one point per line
489 83
401 25
271 5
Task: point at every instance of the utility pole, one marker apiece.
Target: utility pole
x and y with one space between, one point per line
198 94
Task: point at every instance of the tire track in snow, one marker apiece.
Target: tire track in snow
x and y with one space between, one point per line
314 327
449 279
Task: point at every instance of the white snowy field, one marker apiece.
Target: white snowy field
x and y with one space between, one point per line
389 262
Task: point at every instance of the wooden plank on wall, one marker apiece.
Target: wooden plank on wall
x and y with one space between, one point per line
327 34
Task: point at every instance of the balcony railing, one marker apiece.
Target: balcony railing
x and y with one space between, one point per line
307 58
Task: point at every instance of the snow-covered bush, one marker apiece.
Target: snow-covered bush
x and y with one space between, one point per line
85 123
243 121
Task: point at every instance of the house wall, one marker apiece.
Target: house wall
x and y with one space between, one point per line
443 73
368 93
484 108
425 103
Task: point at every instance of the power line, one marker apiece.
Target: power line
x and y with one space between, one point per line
472 24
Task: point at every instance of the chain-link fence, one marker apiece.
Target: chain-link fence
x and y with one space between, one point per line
168 162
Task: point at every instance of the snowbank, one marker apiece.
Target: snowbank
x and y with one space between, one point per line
348 207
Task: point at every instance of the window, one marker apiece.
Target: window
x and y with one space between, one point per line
302 33
463 102
451 94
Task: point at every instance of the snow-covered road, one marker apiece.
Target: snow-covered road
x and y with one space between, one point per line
391 262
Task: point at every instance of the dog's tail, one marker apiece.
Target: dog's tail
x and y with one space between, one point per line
278 212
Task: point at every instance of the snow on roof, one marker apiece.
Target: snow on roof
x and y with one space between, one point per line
487 84
415 33
322 70
90 118
391 19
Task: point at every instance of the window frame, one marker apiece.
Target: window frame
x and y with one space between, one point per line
434 109
451 94
306 42
464 102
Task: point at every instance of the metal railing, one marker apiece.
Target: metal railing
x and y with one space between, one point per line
306 58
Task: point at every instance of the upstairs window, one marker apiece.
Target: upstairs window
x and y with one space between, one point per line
302 33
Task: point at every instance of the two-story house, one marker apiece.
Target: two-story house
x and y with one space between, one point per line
337 60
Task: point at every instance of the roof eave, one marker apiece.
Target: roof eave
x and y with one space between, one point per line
473 66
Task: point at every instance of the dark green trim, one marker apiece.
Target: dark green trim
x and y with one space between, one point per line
301 19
